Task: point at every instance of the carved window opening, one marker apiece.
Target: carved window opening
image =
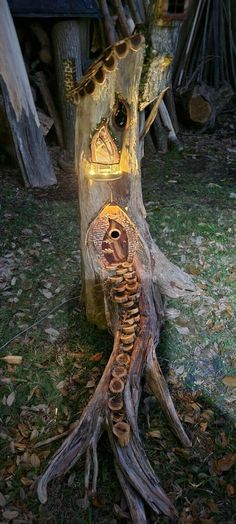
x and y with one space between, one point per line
121 115
175 9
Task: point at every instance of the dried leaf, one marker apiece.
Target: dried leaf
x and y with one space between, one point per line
230 490
10 399
230 380
90 384
189 420
61 384
5 380
47 294
224 440
10 515
35 460
26 482
155 434
213 506
183 330
20 446
203 426
98 502
52 332
23 430
96 357
34 434
225 463
172 313
2 500
12 359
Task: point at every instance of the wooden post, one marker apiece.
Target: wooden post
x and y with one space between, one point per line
27 135
123 271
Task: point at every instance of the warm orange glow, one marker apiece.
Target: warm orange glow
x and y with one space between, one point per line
103 172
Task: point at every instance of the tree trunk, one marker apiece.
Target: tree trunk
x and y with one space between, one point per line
66 44
123 271
27 135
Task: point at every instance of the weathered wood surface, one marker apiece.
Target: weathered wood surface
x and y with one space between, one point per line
27 135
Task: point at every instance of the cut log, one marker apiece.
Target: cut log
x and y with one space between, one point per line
45 53
202 103
49 103
22 116
121 267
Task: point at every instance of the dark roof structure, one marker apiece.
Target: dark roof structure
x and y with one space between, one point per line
54 8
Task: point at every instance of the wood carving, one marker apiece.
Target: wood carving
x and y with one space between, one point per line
123 274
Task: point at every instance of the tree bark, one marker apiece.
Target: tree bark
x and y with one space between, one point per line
66 44
27 135
123 272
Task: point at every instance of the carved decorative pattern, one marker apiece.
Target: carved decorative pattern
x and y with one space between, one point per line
125 292
100 228
103 147
96 74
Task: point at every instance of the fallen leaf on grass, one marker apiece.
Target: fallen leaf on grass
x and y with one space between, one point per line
223 439
98 502
10 399
230 490
20 446
10 515
189 420
213 506
155 434
193 270
52 332
12 359
26 482
76 354
224 464
96 357
35 460
171 313
2 500
47 294
90 384
23 430
5 380
203 426
183 330
230 380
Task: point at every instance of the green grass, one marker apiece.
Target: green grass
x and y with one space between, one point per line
193 223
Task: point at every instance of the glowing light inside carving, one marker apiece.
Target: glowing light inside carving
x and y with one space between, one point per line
105 172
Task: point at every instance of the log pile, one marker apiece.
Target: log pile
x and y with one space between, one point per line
204 73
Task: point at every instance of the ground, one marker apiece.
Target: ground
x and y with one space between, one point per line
190 207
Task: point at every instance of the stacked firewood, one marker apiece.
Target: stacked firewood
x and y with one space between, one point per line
35 41
204 74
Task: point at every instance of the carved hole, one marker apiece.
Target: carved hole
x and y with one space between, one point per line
115 234
121 115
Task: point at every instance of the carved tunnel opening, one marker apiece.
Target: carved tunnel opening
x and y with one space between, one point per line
115 234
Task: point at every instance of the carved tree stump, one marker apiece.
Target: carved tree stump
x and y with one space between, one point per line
123 274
